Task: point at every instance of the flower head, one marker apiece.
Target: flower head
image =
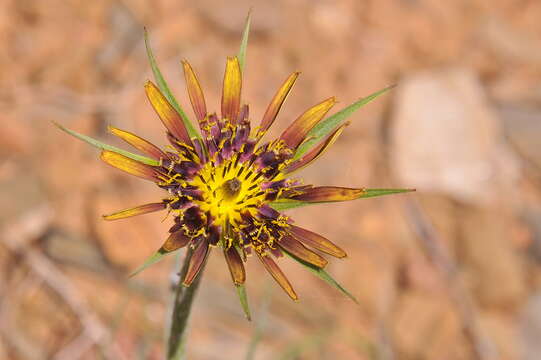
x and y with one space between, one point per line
226 187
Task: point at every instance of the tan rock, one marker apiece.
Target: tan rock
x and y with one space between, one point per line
446 138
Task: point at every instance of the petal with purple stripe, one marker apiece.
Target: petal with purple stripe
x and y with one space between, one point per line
278 275
194 92
316 152
132 167
316 241
166 112
296 132
232 87
329 194
175 241
134 211
277 102
295 247
236 267
138 143
197 260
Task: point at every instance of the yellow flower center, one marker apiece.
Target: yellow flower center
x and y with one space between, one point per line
229 189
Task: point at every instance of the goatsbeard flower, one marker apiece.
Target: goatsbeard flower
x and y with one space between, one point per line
226 187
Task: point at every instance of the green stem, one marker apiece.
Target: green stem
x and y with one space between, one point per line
182 305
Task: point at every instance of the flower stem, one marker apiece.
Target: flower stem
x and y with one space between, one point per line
182 305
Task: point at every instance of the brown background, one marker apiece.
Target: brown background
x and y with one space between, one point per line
450 272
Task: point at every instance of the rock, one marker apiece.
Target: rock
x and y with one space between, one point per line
445 137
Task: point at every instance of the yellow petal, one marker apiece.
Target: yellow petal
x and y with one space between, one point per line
296 132
134 211
231 90
128 165
194 91
138 143
277 102
166 112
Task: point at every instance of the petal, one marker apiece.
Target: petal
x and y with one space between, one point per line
296 132
231 90
236 267
278 275
134 211
167 113
329 194
175 241
317 241
128 165
196 262
138 143
316 152
277 102
194 91
293 246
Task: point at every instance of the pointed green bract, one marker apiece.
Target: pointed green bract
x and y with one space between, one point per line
325 127
323 275
153 259
244 41
241 291
380 192
288 204
164 88
280 205
103 146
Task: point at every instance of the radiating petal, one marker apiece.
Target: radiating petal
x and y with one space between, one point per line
175 241
324 127
329 194
168 115
194 91
196 262
316 152
296 132
317 241
134 211
231 90
278 275
128 165
236 267
293 246
162 85
277 102
138 143
104 146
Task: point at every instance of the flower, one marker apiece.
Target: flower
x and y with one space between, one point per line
226 186
221 187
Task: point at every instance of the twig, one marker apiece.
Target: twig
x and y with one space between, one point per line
431 243
17 238
11 334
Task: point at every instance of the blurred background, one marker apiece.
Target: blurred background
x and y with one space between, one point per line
450 272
